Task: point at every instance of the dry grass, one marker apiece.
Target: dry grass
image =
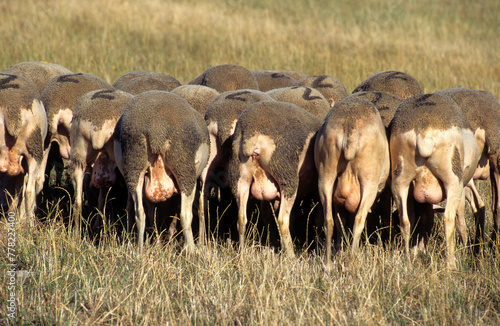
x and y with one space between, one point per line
74 282
441 43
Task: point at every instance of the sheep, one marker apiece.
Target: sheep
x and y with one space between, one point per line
395 82
226 77
386 103
331 88
23 128
268 80
125 78
307 98
161 147
482 110
434 152
60 97
94 121
272 159
221 117
151 81
198 96
292 73
351 154
39 72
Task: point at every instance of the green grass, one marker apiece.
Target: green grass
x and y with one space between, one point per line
442 43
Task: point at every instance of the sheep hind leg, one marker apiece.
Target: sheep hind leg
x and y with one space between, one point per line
242 202
367 199
186 218
284 225
326 193
140 215
453 195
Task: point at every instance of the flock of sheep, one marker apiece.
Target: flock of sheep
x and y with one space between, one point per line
274 136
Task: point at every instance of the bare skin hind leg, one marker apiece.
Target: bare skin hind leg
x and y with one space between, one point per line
453 195
367 198
140 215
186 218
326 195
400 193
77 178
284 225
242 202
479 209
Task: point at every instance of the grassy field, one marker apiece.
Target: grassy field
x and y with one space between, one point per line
65 281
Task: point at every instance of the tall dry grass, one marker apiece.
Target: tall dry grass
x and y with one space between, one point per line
442 43
63 280
72 281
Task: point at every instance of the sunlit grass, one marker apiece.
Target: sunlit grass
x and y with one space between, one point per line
72 280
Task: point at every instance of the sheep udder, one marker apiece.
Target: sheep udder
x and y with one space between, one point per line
159 184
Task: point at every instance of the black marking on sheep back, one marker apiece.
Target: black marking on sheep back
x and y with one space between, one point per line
362 88
395 82
423 101
377 98
15 97
224 110
456 164
385 102
278 75
307 95
482 110
396 75
104 94
68 78
424 111
237 96
100 106
59 95
39 72
6 82
318 82
204 80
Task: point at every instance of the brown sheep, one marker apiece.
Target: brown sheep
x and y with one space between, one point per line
273 160
91 138
433 148
307 98
331 88
386 103
293 73
150 81
126 77
482 110
351 154
221 117
161 148
39 72
198 96
268 79
226 78
23 128
60 97
396 82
